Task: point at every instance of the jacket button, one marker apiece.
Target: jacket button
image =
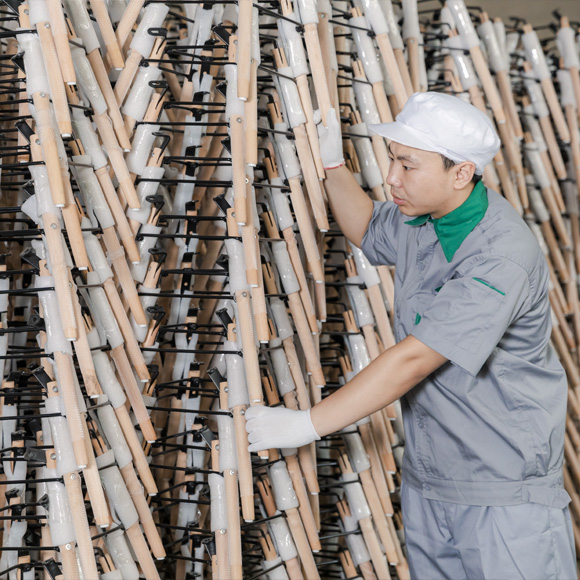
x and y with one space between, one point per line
427 487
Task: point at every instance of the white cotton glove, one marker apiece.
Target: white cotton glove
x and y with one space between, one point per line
330 139
278 428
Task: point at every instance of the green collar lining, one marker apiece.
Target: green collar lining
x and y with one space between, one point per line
453 228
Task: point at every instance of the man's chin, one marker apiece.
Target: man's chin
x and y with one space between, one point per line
407 211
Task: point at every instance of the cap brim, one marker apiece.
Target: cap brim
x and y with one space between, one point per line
400 134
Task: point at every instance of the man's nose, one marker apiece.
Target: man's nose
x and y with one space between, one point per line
393 176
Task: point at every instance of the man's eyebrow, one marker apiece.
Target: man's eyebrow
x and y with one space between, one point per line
408 158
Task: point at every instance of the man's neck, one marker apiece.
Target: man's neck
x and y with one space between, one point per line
454 202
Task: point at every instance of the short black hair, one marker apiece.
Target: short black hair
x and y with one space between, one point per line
449 163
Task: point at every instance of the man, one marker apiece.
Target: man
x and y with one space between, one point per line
483 394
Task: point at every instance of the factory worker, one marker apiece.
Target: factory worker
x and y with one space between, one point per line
482 391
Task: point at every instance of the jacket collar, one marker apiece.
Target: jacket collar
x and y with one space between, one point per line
453 228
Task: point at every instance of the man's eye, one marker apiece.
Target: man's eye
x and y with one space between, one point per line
407 168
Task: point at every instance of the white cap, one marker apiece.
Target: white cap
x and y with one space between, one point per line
444 124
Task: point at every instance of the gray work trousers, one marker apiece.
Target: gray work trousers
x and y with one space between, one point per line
451 541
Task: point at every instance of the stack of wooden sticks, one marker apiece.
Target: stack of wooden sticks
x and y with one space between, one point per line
168 259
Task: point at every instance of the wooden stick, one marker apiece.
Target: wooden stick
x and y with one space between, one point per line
60 35
55 79
101 14
72 483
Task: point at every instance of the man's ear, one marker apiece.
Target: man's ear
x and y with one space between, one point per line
464 173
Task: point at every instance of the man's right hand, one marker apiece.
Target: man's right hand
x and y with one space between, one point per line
330 139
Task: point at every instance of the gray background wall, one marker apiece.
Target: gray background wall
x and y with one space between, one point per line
536 12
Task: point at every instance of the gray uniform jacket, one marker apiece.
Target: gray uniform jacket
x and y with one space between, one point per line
486 428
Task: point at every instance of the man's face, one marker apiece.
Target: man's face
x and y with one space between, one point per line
419 182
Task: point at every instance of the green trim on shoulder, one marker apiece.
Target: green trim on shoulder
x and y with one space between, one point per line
417 319
453 228
489 285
